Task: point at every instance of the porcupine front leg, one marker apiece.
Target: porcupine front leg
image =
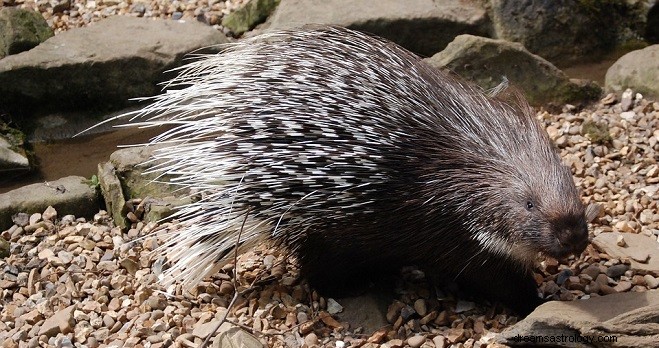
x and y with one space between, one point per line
506 282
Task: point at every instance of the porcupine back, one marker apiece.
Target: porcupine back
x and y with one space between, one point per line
353 153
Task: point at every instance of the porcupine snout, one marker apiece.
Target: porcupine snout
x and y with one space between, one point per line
572 237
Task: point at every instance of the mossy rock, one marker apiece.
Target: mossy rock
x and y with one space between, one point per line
597 132
21 30
249 16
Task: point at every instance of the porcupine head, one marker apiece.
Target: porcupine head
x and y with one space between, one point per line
358 157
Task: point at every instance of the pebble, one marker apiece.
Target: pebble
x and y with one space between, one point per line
333 307
651 281
623 286
311 340
420 307
439 341
616 271
416 341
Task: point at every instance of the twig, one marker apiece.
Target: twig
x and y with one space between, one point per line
235 285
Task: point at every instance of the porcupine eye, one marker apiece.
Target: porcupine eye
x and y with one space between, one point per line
529 205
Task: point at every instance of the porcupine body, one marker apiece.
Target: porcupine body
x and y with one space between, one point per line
358 157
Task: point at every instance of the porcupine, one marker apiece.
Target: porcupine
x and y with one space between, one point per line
358 157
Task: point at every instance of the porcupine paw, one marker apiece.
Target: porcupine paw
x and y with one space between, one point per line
517 292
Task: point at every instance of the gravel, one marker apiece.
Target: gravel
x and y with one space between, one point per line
63 15
72 282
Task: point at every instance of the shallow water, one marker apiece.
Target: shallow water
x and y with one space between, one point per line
77 156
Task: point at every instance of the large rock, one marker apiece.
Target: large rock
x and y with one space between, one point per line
69 195
638 70
641 250
487 61
21 30
102 65
422 26
618 320
567 31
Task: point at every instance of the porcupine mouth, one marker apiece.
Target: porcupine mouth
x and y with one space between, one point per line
563 250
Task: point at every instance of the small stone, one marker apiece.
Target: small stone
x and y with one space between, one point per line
420 307
628 115
377 336
651 281
416 341
394 311
609 99
455 335
311 340
131 266
563 276
60 322
49 214
439 341
626 100
620 241
464 306
333 307
34 218
268 262
607 290
329 321
592 270
395 343
616 271
226 288
623 286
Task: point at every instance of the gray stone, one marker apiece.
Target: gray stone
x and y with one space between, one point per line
422 26
635 244
638 70
333 307
487 61
567 31
237 338
69 195
630 318
113 194
367 311
104 64
616 271
12 158
21 29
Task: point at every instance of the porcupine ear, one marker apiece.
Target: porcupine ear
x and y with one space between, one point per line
510 95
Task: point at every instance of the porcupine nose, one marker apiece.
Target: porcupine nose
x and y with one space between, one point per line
574 239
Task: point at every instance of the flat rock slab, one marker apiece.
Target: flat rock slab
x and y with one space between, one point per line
422 26
638 247
69 195
618 320
102 65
